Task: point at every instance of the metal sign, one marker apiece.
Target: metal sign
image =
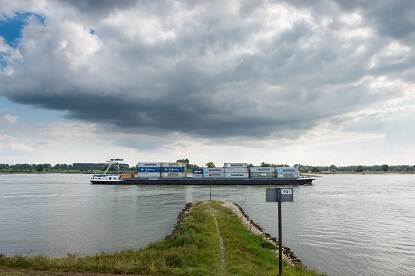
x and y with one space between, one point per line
279 195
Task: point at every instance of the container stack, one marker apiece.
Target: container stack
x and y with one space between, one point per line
236 170
148 169
286 172
262 172
197 173
173 170
213 172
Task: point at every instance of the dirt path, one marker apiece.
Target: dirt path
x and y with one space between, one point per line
221 245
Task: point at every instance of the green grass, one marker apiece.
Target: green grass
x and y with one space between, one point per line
192 250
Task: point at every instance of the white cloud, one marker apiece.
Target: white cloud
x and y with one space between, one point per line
8 143
8 118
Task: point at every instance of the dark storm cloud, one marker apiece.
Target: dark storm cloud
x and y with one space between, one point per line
203 68
97 7
391 18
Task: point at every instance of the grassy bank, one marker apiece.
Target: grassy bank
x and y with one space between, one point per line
210 240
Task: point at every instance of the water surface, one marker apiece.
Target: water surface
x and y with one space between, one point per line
342 225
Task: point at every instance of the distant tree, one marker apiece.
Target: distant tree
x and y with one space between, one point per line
250 165
263 164
39 167
333 168
210 164
60 167
385 167
192 166
186 161
359 169
305 169
315 170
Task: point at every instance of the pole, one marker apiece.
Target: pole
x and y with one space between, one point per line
210 191
279 235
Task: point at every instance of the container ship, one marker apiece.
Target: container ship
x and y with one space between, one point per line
174 173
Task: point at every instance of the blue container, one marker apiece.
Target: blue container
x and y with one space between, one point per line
172 169
148 169
197 171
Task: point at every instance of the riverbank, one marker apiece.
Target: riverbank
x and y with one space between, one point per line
51 172
209 239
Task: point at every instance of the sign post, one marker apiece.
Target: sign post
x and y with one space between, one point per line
279 195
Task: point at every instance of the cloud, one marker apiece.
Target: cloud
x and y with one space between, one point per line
9 144
209 69
392 18
8 118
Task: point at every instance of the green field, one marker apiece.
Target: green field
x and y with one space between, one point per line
211 240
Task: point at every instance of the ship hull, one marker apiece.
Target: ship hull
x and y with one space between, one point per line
208 181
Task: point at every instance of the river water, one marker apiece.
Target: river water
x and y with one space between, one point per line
342 225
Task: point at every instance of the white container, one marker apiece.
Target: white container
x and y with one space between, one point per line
236 170
262 169
173 165
212 170
287 175
198 175
286 172
148 175
285 169
173 175
262 175
235 165
237 175
213 175
148 164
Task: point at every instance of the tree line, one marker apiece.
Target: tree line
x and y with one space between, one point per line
46 167
359 168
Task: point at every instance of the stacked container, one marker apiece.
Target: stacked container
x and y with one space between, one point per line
197 173
235 165
236 170
286 172
262 172
173 170
148 169
213 172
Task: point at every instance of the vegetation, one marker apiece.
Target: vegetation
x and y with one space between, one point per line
186 161
193 249
210 165
359 169
59 168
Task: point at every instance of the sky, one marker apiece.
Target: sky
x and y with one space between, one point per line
308 82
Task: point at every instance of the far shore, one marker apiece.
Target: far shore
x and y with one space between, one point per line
52 172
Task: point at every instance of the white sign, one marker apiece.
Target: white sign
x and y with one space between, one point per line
286 191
